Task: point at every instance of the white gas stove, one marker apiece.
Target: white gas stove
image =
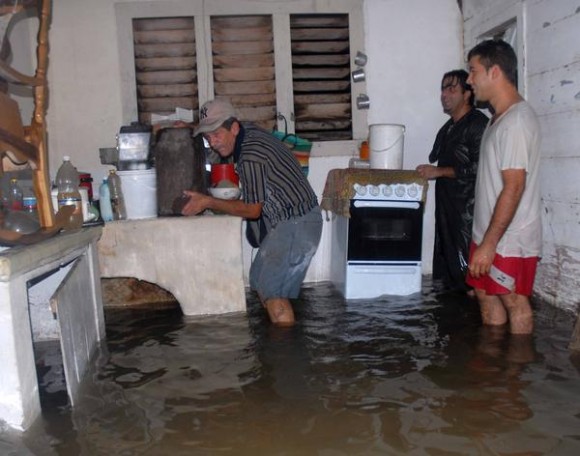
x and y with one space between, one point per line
378 248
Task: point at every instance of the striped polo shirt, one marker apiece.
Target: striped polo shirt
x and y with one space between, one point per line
270 174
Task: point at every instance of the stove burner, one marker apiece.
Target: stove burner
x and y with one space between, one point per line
397 192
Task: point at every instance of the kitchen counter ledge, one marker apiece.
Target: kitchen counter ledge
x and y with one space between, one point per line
197 259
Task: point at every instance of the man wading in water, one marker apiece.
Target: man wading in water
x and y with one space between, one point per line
276 194
456 151
507 228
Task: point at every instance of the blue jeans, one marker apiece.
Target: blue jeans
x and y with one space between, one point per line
284 256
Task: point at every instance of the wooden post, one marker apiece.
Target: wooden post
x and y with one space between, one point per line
40 177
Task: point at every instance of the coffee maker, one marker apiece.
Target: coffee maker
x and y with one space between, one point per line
133 151
134 147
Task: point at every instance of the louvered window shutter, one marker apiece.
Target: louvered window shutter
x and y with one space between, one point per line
165 65
314 95
321 76
243 66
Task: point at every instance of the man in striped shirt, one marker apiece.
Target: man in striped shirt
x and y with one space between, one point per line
275 192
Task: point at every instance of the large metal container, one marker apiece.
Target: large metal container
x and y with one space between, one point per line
133 144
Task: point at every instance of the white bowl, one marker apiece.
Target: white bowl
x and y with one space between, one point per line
227 193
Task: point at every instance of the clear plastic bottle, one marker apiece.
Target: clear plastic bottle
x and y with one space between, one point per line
105 201
117 199
15 196
67 183
29 205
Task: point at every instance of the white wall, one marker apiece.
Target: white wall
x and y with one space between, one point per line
409 43
22 59
550 32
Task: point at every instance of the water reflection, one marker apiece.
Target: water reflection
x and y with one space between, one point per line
413 375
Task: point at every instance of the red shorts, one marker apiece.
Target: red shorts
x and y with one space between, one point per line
507 275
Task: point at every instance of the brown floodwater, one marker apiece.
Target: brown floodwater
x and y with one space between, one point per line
411 375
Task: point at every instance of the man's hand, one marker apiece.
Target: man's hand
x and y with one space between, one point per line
481 260
427 171
434 172
196 204
514 182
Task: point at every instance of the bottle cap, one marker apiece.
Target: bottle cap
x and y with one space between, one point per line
66 158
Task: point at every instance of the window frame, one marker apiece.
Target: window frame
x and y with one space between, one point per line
512 17
202 10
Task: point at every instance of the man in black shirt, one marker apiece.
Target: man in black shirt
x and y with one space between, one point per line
456 151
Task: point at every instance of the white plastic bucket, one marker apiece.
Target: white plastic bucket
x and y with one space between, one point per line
140 192
386 146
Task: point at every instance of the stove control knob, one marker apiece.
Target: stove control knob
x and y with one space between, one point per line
413 191
374 190
360 189
400 191
388 191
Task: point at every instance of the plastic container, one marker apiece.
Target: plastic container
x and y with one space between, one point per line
67 184
94 213
86 181
15 196
117 196
29 205
364 150
85 202
140 191
105 201
221 172
386 146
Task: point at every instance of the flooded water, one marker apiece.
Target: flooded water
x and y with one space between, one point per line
411 375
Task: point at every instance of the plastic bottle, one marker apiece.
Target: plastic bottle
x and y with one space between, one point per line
117 199
29 205
364 150
85 180
67 184
105 201
94 213
116 194
15 196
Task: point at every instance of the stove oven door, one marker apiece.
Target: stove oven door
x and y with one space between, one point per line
385 231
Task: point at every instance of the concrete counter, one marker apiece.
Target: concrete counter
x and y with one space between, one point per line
197 259
78 309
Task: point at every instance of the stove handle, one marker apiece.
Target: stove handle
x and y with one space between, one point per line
388 204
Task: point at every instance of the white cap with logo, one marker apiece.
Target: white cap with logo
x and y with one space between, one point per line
213 114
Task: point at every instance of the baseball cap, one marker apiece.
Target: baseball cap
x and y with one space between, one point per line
213 114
